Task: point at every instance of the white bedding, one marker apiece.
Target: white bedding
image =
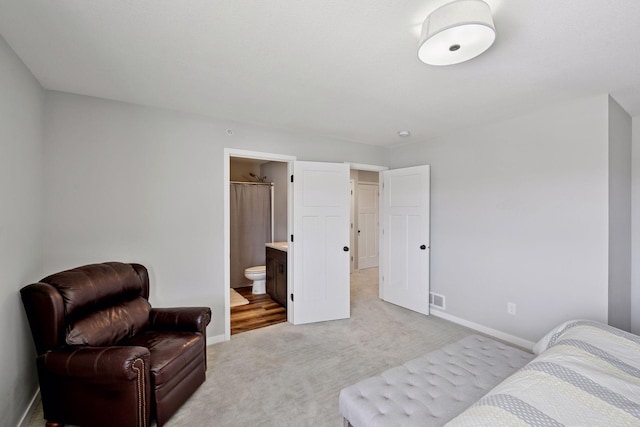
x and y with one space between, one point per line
588 375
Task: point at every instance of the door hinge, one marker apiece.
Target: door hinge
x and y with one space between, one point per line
291 178
291 297
292 238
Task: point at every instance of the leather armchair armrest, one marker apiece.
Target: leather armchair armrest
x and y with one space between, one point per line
79 384
192 319
99 364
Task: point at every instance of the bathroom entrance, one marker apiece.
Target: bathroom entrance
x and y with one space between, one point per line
258 231
258 227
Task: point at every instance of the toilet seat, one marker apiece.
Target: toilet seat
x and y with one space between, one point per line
257 274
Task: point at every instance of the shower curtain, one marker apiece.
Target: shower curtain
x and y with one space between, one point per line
250 221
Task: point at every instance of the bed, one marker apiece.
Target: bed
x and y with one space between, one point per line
586 373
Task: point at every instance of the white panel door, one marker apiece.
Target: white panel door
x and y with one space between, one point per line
404 269
368 212
352 222
320 242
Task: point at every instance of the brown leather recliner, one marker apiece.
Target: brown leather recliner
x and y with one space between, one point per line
105 357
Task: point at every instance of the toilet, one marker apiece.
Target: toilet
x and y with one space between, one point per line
258 275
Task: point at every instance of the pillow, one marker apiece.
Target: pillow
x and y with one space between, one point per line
110 325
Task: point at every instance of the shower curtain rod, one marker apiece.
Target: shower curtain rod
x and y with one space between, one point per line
252 183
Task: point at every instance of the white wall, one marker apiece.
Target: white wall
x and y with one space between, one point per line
619 216
519 213
635 226
21 109
276 172
130 183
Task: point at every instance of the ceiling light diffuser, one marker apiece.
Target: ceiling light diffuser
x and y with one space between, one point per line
456 32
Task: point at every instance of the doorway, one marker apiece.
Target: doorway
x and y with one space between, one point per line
250 170
365 222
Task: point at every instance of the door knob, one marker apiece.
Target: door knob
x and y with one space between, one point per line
423 247
346 249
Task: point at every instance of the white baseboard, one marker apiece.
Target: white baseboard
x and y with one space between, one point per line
215 339
489 331
26 417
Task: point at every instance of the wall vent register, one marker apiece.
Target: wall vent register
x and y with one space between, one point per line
437 300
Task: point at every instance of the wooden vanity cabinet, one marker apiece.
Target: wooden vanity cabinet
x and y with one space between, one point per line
276 264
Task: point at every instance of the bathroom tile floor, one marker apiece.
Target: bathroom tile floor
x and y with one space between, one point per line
260 312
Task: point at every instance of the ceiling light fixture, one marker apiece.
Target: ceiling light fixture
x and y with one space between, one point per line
404 133
456 32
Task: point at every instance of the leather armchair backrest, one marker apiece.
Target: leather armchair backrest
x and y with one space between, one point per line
85 289
96 304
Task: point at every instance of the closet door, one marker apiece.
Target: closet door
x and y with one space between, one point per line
320 246
404 261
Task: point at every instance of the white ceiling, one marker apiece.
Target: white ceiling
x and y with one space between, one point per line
345 69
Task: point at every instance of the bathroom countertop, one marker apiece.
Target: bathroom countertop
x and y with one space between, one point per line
281 246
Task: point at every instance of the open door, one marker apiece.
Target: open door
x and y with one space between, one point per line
368 213
320 242
404 261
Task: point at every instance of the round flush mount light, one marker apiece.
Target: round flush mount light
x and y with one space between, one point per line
404 133
456 32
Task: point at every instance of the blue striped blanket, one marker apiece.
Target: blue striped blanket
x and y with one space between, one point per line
587 375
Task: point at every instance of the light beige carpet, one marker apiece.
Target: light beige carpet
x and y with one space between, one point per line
286 375
237 299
